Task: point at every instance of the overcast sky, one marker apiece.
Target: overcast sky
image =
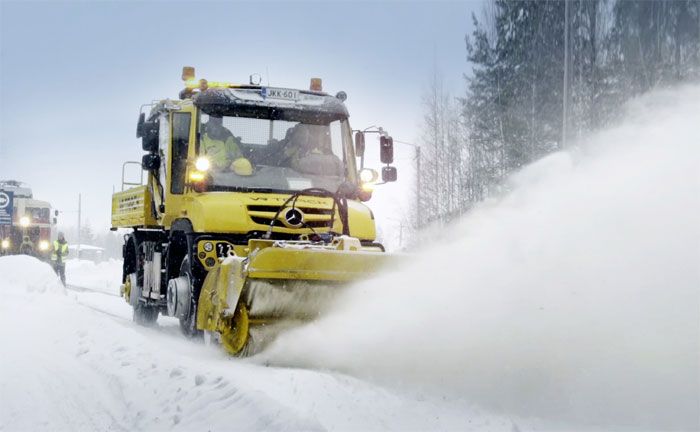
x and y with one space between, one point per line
73 75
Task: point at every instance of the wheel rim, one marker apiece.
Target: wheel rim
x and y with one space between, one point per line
188 322
234 331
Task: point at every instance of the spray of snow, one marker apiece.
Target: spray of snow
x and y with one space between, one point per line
574 297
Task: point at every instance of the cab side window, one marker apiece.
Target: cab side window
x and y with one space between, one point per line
181 137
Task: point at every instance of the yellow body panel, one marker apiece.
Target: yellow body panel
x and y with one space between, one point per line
132 207
311 264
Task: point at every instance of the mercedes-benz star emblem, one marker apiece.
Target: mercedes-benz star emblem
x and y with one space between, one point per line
294 218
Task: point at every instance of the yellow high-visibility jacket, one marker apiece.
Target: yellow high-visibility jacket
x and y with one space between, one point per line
220 153
60 251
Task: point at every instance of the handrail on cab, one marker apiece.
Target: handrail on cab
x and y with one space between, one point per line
124 183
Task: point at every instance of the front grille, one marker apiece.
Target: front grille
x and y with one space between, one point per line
313 216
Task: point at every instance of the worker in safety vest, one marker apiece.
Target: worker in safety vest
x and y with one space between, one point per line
58 255
222 148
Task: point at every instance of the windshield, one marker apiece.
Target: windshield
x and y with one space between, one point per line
278 155
38 214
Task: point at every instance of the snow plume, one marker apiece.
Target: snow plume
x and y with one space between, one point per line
573 298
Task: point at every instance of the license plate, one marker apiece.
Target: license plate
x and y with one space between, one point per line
223 249
280 93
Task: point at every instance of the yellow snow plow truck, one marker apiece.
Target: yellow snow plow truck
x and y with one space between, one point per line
252 215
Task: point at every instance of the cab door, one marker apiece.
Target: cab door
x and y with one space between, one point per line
178 138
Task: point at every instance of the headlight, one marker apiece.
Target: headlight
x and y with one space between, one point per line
368 175
208 247
202 164
5 244
197 176
43 245
24 221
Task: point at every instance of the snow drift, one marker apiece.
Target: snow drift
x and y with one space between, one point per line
573 297
40 280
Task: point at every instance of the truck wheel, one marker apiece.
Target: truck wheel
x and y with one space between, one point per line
143 314
188 323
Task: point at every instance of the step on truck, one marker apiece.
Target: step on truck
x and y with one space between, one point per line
252 216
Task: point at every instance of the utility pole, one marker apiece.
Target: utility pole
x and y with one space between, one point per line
79 214
565 99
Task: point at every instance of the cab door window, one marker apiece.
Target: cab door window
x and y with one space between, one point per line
181 138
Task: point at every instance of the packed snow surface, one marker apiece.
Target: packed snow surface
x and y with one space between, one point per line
74 361
575 296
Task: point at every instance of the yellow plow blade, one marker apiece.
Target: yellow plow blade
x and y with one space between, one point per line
248 300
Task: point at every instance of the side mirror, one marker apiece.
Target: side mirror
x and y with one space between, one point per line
150 162
55 212
149 136
139 125
386 149
389 174
359 144
55 221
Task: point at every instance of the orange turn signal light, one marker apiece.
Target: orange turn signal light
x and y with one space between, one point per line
316 85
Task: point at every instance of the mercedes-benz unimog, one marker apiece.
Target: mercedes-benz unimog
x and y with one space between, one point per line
252 216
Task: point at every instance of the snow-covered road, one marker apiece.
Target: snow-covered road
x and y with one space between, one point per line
73 360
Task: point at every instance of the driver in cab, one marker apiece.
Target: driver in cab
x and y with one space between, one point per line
308 150
222 148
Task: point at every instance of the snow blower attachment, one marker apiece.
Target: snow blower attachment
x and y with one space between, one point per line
247 301
252 217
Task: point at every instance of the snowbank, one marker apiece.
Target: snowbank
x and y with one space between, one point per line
28 274
573 298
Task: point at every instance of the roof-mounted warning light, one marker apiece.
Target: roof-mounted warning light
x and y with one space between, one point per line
316 85
187 73
192 83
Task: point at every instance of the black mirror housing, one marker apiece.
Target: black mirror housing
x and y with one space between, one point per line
139 125
359 144
386 149
150 162
149 138
389 174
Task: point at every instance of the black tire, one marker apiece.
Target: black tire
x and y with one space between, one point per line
143 314
188 324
